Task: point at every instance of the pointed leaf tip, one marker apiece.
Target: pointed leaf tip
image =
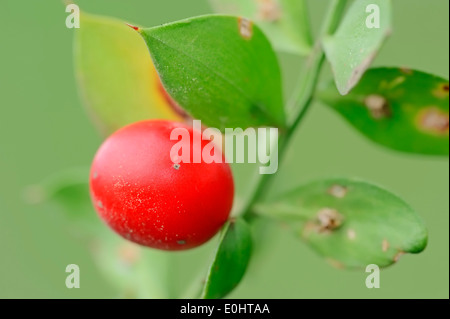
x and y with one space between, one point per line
356 42
133 27
231 260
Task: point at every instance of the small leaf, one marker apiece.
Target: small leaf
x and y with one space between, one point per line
402 109
222 70
68 189
351 223
356 42
284 21
231 260
117 79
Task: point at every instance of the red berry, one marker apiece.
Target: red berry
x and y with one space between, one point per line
146 198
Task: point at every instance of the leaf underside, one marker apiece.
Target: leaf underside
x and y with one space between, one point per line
354 45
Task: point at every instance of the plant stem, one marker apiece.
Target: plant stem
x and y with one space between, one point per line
302 98
299 104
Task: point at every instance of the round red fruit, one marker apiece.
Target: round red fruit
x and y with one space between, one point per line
142 195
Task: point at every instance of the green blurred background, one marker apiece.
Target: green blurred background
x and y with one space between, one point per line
44 129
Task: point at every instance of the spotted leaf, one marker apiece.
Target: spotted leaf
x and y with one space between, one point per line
402 109
351 223
285 22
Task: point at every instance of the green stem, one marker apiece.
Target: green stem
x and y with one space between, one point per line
299 104
302 98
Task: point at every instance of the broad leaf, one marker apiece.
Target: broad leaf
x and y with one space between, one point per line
117 79
351 223
222 70
402 109
356 42
285 22
231 260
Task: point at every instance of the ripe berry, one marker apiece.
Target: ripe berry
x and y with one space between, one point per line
146 198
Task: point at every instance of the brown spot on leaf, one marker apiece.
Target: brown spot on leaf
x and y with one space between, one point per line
326 220
329 219
406 71
245 28
378 106
385 245
351 234
398 255
433 120
338 191
269 10
441 92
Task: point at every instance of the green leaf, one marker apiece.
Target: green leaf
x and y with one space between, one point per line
220 69
285 22
354 45
231 260
68 189
116 77
402 109
351 223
